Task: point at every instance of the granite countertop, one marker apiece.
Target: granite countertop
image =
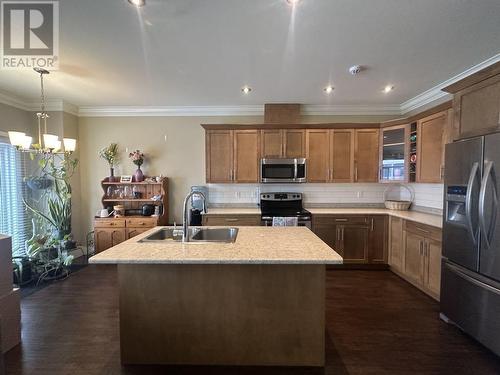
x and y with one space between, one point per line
254 245
416 216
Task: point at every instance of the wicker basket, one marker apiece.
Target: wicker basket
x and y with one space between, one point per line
399 205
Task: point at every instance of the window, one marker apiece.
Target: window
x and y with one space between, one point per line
14 220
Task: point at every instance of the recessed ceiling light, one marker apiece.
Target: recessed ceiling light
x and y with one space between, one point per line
388 89
293 2
328 89
137 3
246 90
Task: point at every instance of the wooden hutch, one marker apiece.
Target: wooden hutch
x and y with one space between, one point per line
110 231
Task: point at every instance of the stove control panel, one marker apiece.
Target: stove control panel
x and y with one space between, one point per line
280 196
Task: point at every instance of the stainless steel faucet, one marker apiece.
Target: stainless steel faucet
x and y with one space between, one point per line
185 215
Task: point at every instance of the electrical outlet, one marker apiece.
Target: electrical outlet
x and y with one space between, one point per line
360 194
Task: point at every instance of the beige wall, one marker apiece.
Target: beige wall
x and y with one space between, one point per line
174 147
16 119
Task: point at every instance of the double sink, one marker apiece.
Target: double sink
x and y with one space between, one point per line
195 235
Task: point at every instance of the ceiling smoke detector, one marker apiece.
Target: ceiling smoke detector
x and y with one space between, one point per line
355 69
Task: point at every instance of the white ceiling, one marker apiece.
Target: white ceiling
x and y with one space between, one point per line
201 52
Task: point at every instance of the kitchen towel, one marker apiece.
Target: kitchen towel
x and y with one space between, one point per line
280 221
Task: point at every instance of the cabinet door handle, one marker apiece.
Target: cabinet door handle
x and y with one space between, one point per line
356 172
441 172
372 225
421 248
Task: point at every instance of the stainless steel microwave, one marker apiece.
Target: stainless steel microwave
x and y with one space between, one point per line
283 170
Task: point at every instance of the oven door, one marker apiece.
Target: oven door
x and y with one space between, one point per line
282 170
304 221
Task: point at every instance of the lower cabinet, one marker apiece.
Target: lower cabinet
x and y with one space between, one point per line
110 232
417 258
358 239
227 220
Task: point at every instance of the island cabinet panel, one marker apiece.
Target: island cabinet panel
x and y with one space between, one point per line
342 155
230 314
246 156
228 220
430 148
366 157
359 239
396 243
318 155
219 156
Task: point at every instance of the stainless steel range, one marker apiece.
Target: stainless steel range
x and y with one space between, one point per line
283 205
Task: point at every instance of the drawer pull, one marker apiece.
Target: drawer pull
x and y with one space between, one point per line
342 220
231 220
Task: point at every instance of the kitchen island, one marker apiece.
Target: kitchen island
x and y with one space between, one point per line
257 301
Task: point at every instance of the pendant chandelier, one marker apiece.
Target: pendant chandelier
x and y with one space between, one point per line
47 143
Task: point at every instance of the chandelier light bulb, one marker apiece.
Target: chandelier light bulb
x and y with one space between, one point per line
27 142
16 138
50 141
69 144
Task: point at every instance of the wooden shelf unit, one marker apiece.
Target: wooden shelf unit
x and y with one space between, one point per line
148 190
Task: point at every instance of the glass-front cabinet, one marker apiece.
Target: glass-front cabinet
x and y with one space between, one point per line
393 154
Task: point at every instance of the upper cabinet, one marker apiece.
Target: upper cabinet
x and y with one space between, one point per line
318 155
342 155
232 156
393 151
283 143
219 156
476 103
366 155
430 147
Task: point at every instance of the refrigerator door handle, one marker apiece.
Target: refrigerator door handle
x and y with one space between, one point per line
488 230
468 201
472 280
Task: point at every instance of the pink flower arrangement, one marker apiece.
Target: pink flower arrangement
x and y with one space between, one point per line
137 157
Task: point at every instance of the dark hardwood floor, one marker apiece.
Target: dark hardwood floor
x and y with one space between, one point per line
376 324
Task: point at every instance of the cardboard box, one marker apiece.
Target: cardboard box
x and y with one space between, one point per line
5 265
10 319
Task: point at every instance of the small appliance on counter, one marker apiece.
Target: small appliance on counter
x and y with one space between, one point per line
197 204
148 210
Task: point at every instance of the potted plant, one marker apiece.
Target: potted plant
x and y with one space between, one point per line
138 159
110 154
48 251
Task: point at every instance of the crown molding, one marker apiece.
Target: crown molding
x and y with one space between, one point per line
428 97
198 111
350 110
434 94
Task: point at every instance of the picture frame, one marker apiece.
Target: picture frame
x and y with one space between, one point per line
126 178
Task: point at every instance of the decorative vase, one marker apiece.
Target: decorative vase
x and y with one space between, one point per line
138 175
111 177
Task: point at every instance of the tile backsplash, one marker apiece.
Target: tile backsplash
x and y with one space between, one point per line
426 195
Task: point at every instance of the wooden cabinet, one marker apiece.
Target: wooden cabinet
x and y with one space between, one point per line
246 156
377 240
342 155
283 143
228 220
219 156
430 147
366 157
110 232
396 243
422 257
318 155
476 103
394 147
232 156
108 237
359 239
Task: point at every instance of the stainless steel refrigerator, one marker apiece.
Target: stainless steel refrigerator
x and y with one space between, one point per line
470 283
